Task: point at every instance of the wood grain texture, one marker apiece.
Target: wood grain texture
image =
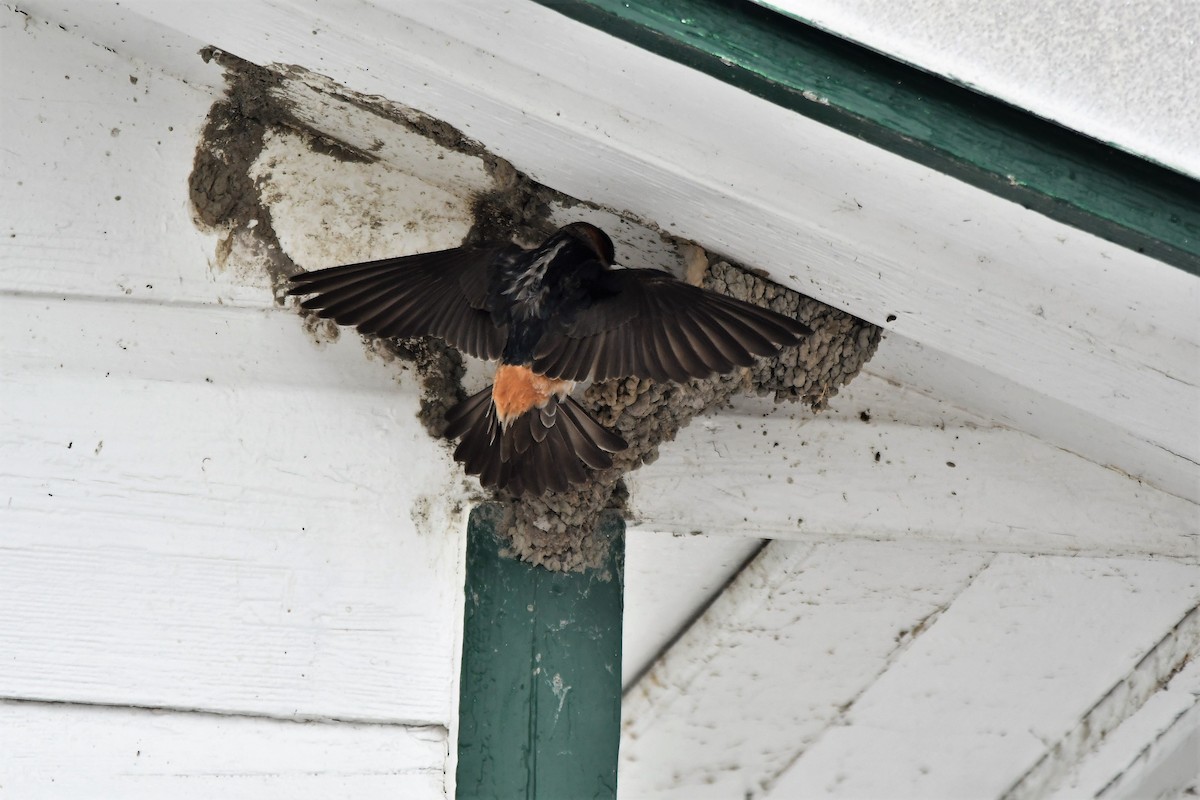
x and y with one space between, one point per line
956 663
964 385
1003 677
204 510
669 579
775 661
55 751
1146 681
96 168
1152 754
917 471
103 194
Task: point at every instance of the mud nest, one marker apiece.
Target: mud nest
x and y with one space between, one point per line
556 531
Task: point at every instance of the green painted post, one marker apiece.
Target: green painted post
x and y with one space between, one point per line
540 708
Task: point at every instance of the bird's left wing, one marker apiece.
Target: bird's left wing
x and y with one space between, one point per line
441 294
647 324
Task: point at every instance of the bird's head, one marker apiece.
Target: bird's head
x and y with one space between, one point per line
594 238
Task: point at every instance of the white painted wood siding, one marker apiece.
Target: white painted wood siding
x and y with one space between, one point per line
212 529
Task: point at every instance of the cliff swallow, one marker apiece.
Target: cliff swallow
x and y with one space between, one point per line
553 315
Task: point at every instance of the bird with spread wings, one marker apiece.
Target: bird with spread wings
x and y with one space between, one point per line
553 316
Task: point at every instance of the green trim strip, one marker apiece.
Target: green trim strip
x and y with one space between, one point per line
540 703
987 143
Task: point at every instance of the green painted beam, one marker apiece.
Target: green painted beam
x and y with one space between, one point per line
540 702
994 146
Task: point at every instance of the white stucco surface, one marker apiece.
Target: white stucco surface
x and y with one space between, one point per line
1124 73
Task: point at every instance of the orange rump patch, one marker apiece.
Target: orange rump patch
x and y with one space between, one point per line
517 390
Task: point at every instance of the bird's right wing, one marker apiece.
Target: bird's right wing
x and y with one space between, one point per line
441 294
648 324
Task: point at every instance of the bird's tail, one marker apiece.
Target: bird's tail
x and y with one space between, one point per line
544 449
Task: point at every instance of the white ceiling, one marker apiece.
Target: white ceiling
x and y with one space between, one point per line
1123 73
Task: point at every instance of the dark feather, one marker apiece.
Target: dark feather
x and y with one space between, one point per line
540 425
559 310
572 469
542 450
722 339
747 337
468 413
588 451
559 460
441 294
602 437
648 324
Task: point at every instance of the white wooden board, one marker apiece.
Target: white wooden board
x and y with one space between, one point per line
78 132
963 385
776 659
918 471
1004 676
669 579
203 509
55 751
1154 753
